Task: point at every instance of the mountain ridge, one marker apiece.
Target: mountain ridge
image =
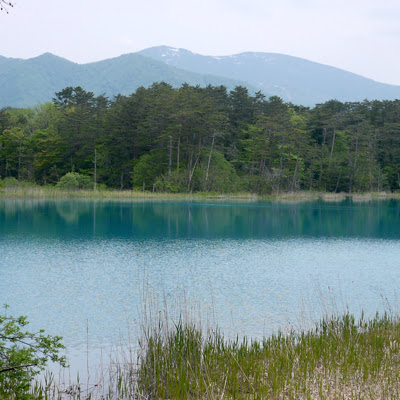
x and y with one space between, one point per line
24 83
292 78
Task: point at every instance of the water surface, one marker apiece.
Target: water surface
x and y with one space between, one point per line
78 266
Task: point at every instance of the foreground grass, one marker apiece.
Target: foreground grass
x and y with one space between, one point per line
341 358
48 192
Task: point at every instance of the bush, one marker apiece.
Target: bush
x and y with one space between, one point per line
102 186
176 183
23 355
221 175
10 182
75 181
84 181
147 169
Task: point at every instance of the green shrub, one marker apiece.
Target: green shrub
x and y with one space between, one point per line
102 187
84 181
10 182
75 181
222 176
147 169
176 183
23 355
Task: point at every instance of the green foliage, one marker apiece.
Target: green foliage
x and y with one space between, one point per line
340 355
47 159
23 354
10 182
161 137
68 181
13 144
147 169
221 176
75 181
176 183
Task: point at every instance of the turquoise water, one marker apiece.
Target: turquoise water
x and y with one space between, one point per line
83 266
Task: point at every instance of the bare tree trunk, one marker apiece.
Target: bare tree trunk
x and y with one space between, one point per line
338 180
95 168
353 166
209 157
296 168
178 154
191 171
379 177
261 166
19 162
356 155
170 157
322 158
312 169
190 161
351 173
280 171
333 144
281 162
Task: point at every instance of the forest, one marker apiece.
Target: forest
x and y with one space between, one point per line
191 139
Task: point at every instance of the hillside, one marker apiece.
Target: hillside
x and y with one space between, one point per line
24 83
294 79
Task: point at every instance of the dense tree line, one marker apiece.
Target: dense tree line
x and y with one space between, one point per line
191 139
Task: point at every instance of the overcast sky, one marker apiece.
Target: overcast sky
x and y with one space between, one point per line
362 36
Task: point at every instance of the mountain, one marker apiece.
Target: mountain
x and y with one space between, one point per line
25 83
294 79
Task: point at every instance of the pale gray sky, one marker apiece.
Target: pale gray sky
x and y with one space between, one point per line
362 36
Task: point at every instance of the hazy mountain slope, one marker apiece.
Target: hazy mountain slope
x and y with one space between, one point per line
28 82
24 83
292 78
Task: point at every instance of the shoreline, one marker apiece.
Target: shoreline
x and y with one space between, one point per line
341 356
29 192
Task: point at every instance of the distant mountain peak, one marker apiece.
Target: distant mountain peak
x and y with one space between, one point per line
48 55
25 83
294 79
49 58
171 52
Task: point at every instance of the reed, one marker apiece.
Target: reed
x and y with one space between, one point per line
26 190
341 357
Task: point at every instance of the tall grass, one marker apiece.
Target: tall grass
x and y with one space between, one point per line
340 358
29 190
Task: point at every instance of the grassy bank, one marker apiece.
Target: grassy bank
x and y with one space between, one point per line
48 192
340 358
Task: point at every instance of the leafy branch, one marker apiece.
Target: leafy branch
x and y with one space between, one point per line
4 5
23 354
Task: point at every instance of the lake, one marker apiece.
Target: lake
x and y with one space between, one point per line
82 269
